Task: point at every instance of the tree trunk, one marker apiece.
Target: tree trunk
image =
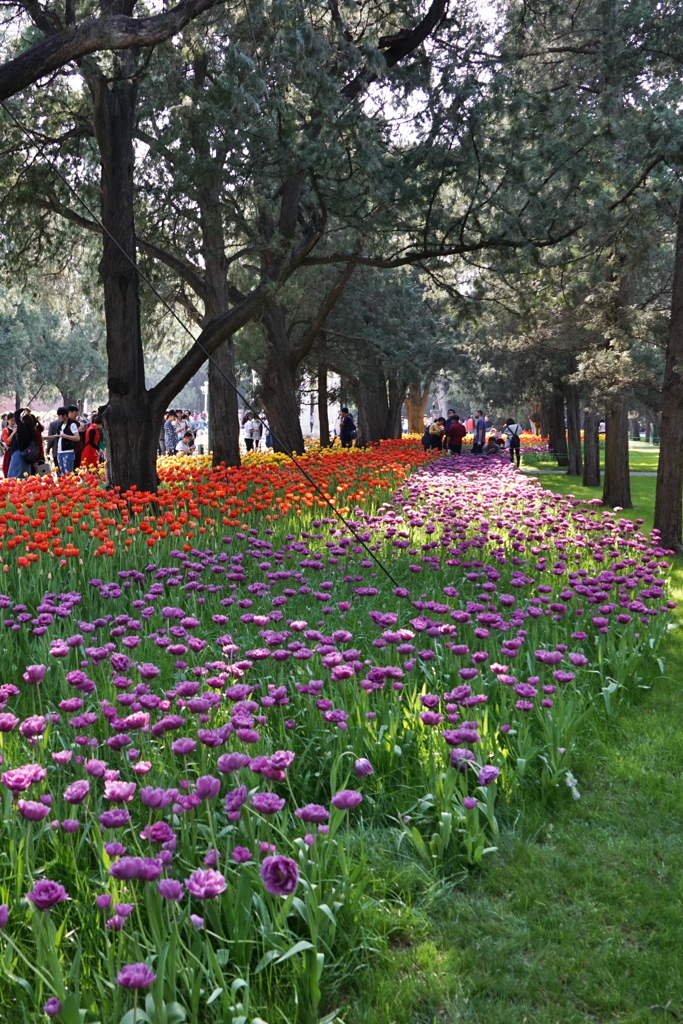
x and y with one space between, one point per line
133 421
617 489
397 392
323 411
648 433
278 388
416 403
668 498
635 429
370 394
557 436
225 425
574 431
591 450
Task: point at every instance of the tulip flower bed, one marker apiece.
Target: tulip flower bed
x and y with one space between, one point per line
195 741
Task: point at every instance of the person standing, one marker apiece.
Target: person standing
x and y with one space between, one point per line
69 437
91 443
7 434
513 432
22 440
53 433
455 434
347 428
479 434
170 434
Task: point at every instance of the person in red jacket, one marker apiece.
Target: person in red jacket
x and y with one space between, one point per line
456 433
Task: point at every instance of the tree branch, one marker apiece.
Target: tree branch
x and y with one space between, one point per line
213 335
331 299
116 32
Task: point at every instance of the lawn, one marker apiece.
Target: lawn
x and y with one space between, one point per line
577 917
643 458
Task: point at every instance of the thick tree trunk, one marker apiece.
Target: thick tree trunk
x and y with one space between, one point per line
225 425
617 489
397 392
668 499
323 411
591 450
574 431
372 402
416 402
557 436
133 421
278 389
635 429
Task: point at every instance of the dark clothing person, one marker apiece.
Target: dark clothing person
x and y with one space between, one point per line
456 432
513 432
479 435
347 430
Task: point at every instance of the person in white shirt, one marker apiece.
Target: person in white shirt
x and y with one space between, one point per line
512 432
67 440
186 444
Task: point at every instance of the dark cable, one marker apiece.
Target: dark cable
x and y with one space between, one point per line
41 149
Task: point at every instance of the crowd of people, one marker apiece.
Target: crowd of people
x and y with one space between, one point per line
70 441
448 434
179 433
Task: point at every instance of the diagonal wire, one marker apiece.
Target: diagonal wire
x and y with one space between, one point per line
285 448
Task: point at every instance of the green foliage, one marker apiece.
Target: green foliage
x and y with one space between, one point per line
50 348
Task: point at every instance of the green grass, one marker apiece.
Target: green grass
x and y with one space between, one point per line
577 918
643 458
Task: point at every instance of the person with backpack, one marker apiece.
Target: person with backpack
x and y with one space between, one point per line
23 446
347 428
513 432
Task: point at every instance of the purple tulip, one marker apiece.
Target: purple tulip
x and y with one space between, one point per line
280 875
34 674
77 791
488 774
313 813
46 894
208 787
205 884
33 810
469 803
136 976
345 799
171 889
267 803
52 1006
4 915
241 854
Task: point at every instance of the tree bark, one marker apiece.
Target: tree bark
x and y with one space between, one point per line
574 431
397 393
132 419
635 429
416 402
668 498
557 436
323 411
591 450
617 488
278 389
